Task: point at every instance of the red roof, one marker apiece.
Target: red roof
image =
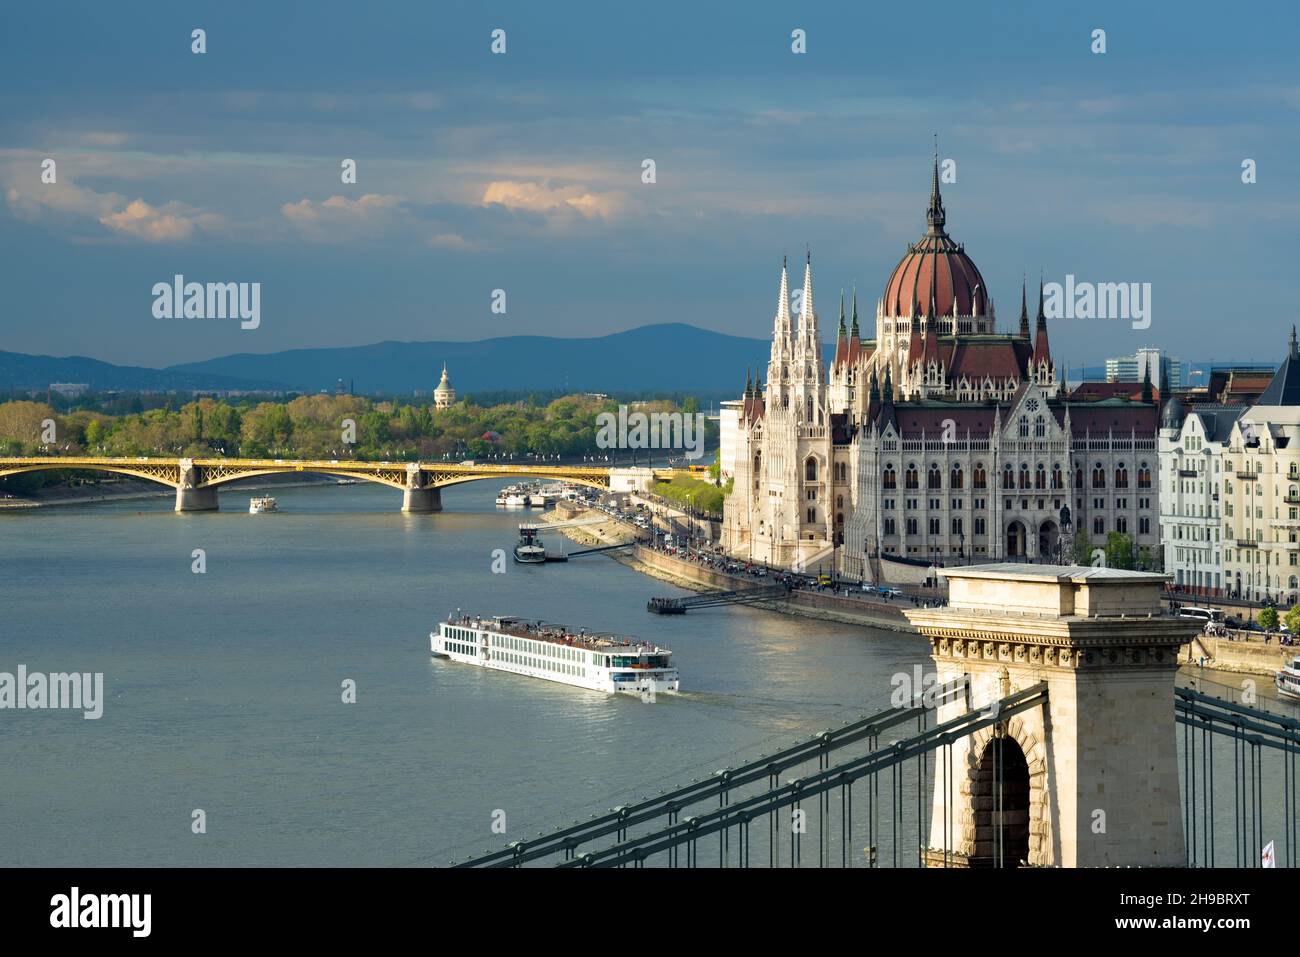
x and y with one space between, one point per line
955 279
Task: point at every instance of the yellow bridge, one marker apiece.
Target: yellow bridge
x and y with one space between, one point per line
196 480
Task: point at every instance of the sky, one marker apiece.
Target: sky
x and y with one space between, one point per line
523 171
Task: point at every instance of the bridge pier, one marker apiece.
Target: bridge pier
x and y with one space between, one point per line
190 498
197 499
421 500
1089 779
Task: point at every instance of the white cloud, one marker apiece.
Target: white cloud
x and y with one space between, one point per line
543 198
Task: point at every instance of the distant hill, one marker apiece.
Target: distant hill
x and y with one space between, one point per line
672 357
23 372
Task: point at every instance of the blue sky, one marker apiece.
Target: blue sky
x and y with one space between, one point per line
522 171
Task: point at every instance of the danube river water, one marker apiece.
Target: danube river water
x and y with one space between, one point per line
224 689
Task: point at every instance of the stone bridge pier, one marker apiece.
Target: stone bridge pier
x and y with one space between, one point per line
418 495
190 498
1091 778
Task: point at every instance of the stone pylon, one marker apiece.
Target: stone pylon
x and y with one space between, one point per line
1091 778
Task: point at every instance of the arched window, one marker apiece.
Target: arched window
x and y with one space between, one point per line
979 479
810 469
1098 476
1144 476
1008 477
889 479
955 480
911 479
1040 477
1058 481
1078 476
935 478
1040 427
1024 426
1024 475
1121 476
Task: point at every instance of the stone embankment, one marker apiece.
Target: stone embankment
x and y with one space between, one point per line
689 574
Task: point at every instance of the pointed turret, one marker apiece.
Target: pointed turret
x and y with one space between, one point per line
1024 312
1042 351
935 216
782 326
807 312
843 331
1146 384
853 332
749 387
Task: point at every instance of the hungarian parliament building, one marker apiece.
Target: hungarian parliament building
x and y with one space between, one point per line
938 439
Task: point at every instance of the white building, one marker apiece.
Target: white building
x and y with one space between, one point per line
728 435
444 396
1193 469
1144 364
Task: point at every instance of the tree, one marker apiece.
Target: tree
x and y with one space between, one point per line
1082 548
1119 550
1268 618
1293 619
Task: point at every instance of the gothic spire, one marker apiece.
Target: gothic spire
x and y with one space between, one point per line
1042 316
1024 311
854 330
1146 383
749 387
842 332
935 216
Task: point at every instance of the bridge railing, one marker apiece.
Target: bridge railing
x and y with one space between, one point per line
727 803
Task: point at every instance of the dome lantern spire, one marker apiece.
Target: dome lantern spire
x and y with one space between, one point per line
935 216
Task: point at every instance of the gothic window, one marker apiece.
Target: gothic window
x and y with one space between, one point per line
1008 477
1098 476
1024 475
810 469
1144 476
979 479
1098 526
1121 476
1078 476
839 501
1040 477
889 479
1024 426
1040 427
935 478
911 478
956 479
1058 481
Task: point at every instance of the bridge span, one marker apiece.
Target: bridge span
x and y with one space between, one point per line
196 480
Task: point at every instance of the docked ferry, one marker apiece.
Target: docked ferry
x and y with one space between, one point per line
257 506
529 550
1288 679
609 663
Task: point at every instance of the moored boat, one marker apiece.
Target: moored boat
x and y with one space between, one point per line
256 506
1287 680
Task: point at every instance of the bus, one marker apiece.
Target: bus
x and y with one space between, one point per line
1207 615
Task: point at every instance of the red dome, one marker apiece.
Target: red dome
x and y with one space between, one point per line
939 265
955 278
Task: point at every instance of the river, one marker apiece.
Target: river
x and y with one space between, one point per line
224 689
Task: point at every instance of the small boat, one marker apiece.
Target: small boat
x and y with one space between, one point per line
1288 679
529 550
256 506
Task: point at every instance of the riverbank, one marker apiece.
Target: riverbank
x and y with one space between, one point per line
688 574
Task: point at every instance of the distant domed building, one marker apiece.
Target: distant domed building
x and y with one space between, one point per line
444 395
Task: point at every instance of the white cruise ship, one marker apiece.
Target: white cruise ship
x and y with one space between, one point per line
538 649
